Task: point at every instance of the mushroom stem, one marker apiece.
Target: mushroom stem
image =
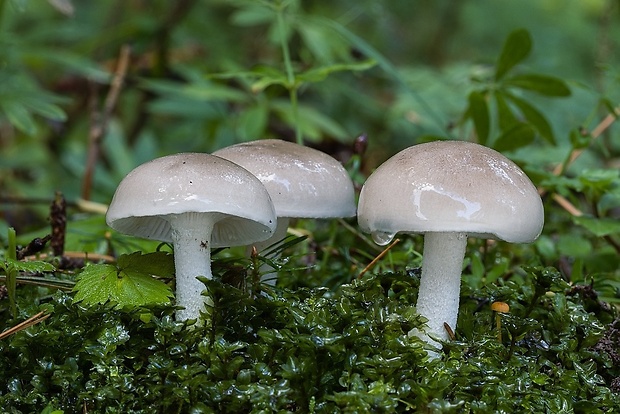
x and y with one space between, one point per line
268 273
438 298
191 238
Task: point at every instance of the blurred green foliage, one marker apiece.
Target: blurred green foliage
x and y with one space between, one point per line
203 75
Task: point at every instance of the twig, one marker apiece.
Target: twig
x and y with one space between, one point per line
99 122
35 246
567 205
87 206
376 259
33 320
575 153
596 132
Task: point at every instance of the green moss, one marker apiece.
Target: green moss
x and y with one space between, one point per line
316 350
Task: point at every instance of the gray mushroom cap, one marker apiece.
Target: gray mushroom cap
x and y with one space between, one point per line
193 182
451 186
303 182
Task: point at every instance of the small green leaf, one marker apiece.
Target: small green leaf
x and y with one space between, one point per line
516 48
542 84
96 284
49 409
312 123
609 200
157 263
46 109
599 226
599 178
252 122
516 137
30 267
506 117
127 284
321 42
262 77
574 246
534 117
611 107
135 288
19 117
252 15
479 112
578 140
320 73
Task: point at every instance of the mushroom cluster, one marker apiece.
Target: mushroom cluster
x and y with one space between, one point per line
246 194
240 195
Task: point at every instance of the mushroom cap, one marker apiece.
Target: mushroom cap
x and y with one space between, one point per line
451 186
193 183
302 182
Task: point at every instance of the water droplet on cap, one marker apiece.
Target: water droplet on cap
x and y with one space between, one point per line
382 238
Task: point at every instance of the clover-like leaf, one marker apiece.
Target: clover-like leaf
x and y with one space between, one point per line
129 283
157 264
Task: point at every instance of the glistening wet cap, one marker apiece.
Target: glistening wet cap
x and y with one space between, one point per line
451 186
193 183
302 181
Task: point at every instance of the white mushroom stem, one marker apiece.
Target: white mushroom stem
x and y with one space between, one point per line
269 275
440 284
191 238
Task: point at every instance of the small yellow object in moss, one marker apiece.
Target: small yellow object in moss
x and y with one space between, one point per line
499 307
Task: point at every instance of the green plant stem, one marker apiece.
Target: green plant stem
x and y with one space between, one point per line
290 74
330 244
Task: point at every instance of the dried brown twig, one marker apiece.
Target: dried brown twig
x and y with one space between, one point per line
33 320
376 259
575 153
596 132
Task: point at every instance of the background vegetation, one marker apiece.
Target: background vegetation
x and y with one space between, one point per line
89 90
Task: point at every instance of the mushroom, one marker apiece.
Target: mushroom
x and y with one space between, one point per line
302 182
196 202
448 190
